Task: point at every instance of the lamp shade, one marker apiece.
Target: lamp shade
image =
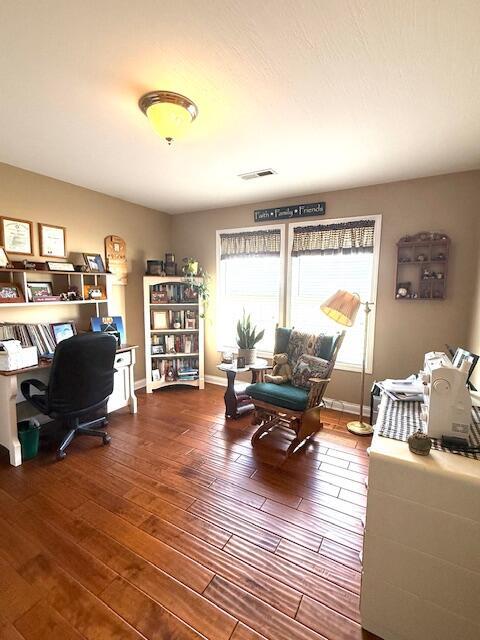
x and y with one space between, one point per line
170 114
342 307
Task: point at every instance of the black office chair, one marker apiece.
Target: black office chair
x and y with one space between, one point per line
81 380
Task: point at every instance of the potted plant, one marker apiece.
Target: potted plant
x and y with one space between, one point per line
247 338
190 266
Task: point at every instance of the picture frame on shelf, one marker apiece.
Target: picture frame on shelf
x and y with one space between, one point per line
160 320
155 375
10 292
60 266
159 297
16 236
52 240
63 330
39 291
4 261
110 324
94 262
94 292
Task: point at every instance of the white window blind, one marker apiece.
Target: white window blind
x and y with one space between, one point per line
314 278
251 283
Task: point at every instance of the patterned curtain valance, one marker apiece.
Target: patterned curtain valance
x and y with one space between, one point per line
343 237
250 243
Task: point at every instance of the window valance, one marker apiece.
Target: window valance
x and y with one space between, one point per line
250 243
342 237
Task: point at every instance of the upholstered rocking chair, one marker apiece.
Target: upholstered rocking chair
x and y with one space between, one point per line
296 404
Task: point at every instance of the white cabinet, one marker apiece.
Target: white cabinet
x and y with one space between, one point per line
421 556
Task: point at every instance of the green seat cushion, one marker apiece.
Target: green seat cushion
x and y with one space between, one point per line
281 395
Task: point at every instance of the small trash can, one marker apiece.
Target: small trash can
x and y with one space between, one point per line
29 435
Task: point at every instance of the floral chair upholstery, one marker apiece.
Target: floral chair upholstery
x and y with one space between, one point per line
296 404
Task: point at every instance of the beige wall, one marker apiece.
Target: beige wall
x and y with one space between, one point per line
474 333
88 217
405 330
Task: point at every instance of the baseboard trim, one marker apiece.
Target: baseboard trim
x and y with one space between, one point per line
140 384
331 403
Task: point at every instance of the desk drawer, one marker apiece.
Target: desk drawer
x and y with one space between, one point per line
123 359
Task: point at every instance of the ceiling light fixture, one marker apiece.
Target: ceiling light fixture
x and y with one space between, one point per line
169 113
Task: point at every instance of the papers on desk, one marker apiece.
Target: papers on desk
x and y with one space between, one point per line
410 388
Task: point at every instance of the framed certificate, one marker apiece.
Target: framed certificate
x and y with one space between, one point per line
16 236
52 241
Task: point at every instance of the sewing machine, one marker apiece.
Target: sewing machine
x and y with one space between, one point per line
447 408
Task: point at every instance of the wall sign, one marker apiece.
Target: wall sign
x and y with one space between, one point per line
293 211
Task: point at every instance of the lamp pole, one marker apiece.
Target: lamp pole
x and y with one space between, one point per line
361 428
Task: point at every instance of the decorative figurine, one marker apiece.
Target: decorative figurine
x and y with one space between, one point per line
419 443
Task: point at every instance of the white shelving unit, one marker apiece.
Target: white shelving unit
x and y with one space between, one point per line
60 281
172 361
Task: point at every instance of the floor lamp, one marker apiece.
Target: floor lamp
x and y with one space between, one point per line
343 307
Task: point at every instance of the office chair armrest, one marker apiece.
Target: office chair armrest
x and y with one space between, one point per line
38 384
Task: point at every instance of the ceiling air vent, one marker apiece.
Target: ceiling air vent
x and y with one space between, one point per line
257 174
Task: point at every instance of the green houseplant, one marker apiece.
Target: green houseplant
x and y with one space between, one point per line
247 338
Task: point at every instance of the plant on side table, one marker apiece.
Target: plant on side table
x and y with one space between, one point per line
247 338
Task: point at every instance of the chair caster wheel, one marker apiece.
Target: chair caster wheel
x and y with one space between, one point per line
107 439
61 455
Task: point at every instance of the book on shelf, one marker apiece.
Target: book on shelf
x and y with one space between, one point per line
30 335
174 319
174 343
175 369
175 293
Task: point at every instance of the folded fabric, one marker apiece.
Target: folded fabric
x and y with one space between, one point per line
309 367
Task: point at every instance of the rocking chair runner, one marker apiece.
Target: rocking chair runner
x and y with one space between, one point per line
296 407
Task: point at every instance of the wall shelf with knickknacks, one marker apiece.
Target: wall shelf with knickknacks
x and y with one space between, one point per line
422 267
35 288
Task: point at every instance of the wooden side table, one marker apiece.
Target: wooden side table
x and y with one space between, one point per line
238 403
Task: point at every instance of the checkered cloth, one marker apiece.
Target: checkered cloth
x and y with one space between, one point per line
400 419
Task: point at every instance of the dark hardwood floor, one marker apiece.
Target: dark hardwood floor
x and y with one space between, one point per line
180 530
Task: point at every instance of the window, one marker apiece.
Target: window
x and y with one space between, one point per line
340 254
250 276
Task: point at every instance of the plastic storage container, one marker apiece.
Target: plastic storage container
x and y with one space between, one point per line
29 436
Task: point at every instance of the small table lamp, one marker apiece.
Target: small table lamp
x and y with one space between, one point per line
343 307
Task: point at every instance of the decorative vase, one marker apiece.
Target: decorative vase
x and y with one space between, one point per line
250 355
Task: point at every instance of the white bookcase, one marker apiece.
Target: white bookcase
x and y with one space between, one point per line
174 333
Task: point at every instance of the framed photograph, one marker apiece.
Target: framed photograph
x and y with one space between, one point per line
190 323
110 324
240 362
10 292
94 262
63 330
39 290
94 292
16 235
160 320
155 375
60 266
53 242
159 297
4 261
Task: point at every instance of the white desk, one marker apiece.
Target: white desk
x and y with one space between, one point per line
421 555
10 410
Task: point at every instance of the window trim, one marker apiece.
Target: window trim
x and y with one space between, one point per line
376 264
282 299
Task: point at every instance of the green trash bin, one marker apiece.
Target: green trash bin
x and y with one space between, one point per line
29 436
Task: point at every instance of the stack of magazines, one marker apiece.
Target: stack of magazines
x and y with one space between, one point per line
30 335
408 389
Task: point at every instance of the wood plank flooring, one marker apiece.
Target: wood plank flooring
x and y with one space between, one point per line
180 530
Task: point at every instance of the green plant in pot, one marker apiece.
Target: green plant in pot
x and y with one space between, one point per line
190 266
247 338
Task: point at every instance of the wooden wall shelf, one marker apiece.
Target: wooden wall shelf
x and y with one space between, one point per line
422 267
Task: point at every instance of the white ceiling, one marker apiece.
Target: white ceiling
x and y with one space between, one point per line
329 93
